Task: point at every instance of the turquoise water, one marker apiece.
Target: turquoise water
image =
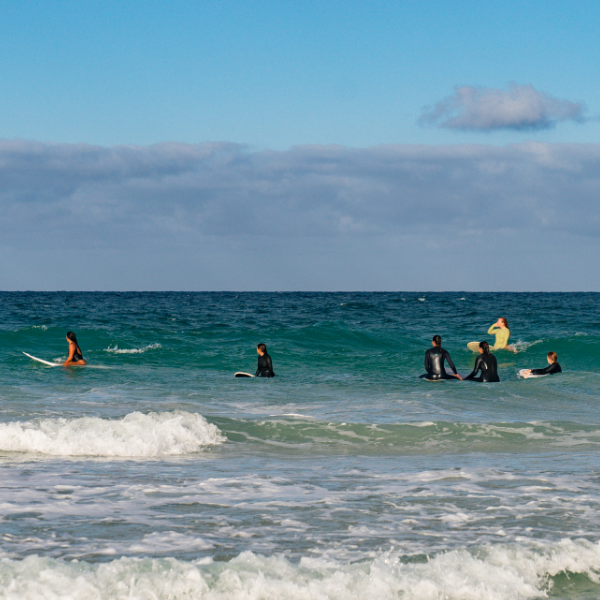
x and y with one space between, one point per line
156 474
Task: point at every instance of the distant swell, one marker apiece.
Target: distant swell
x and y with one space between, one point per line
117 350
492 573
136 435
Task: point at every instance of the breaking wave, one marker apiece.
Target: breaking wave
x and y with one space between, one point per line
489 573
135 435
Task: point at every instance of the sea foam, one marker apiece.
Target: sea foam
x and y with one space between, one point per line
117 350
497 573
135 435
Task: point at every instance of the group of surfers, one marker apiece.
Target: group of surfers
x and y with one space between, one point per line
484 371
486 365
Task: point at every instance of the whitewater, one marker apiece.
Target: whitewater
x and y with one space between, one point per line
346 476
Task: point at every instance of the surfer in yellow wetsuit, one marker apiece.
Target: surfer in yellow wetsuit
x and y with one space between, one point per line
502 332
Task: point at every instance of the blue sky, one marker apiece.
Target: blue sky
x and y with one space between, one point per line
299 145
276 74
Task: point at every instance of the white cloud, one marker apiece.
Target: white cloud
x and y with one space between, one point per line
522 107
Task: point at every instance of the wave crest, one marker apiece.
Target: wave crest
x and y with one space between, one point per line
495 572
135 435
117 350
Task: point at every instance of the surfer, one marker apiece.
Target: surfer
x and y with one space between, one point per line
487 364
502 332
75 355
552 368
434 362
265 365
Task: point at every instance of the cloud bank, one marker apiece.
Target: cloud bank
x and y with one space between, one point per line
218 216
520 108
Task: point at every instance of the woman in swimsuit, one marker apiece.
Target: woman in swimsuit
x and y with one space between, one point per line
75 356
502 332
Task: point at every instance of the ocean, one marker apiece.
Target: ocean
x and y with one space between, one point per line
153 473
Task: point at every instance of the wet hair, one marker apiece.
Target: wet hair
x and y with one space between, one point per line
553 356
72 337
485 347
262 348
437 340
503 319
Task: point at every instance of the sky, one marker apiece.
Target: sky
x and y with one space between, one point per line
306 145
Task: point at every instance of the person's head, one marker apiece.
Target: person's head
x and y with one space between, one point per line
261 349
71 337
436 340
484 348
552 357
503 322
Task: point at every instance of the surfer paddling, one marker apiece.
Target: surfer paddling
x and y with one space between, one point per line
552 368
75 355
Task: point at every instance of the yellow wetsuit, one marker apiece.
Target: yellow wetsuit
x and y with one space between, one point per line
502 336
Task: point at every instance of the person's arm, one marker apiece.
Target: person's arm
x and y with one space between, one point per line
427 363
493 329
450 363
549 370
70 357
475 368
270 365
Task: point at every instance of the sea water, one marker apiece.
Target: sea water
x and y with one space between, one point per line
159 475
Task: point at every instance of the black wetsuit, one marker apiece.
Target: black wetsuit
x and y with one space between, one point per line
77 356
265 366
434 364
549 370
487 364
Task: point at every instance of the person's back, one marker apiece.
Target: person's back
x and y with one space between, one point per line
434 361
265 364
487 364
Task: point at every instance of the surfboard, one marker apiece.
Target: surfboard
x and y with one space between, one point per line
522 374
473 346
44 362
241 374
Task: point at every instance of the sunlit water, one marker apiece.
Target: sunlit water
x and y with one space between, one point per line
159 475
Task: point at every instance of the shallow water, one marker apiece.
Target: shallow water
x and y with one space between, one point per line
161 476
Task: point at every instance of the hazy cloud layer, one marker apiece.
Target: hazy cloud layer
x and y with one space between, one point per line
522 107
267 220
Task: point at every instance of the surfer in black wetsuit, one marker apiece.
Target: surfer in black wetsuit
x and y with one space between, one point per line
265 365
434 362
487 364
75 355
552 368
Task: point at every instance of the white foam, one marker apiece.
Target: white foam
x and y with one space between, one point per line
521 346
135 435
117 350
493 573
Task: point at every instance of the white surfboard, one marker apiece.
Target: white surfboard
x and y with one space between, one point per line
473 346
44 362
522 374
242 374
